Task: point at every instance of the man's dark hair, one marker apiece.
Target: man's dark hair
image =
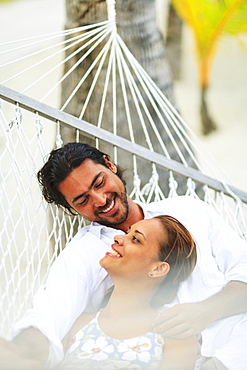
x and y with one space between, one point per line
61 162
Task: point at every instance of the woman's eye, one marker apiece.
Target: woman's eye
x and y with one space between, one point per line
134 238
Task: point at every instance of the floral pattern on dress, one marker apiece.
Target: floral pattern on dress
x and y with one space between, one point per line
135 349
91 348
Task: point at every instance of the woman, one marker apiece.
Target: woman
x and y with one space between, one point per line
146 265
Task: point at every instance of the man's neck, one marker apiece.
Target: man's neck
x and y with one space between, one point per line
135 214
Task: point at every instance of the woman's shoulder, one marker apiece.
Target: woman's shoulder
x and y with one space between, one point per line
82 321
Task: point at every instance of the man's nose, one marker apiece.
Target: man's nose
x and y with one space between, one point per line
99 198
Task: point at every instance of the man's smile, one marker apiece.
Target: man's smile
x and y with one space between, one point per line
109 207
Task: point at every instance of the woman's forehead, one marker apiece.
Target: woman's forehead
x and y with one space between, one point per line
149 227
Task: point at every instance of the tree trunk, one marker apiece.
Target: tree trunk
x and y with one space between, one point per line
136 24
208 124
173 41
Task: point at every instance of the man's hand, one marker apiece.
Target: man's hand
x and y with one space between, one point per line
10 358
185 320
182 321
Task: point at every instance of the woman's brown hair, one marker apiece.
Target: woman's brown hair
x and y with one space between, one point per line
178 249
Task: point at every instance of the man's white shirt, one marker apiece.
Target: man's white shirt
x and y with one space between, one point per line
77 283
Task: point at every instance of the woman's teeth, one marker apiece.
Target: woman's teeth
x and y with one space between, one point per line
114 253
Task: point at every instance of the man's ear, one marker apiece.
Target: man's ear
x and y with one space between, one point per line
161 269
109 164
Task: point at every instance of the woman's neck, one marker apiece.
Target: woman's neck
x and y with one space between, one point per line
130 311
127 301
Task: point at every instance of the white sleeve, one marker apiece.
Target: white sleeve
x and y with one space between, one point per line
75 282
225 339
218 244
228 248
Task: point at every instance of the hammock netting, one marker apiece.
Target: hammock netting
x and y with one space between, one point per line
132 120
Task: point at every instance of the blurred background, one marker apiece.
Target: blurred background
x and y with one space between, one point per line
209 78
227 80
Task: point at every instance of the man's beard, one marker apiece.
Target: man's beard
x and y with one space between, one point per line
116 219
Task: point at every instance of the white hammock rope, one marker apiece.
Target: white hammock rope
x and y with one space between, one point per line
33 232
178 125
73 68
103 53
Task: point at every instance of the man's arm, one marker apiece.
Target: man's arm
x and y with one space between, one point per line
28 351
189 319
180 354
73 278
32 344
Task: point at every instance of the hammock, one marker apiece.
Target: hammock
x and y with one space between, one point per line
163 156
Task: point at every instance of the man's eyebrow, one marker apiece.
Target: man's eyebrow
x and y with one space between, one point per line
90 187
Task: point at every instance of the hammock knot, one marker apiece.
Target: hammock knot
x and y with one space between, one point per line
18 118
155 178
151 185
136 181
39 126
191 185
19 115
59 141
173 184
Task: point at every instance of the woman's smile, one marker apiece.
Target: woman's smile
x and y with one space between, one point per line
113 253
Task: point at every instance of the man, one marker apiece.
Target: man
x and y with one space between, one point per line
84 181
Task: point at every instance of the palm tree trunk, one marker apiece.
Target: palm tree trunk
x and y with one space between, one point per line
173 41
136 24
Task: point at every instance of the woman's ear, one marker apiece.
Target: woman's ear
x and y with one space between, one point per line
161 269
109 164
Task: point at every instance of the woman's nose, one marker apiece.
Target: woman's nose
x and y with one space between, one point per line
119 239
